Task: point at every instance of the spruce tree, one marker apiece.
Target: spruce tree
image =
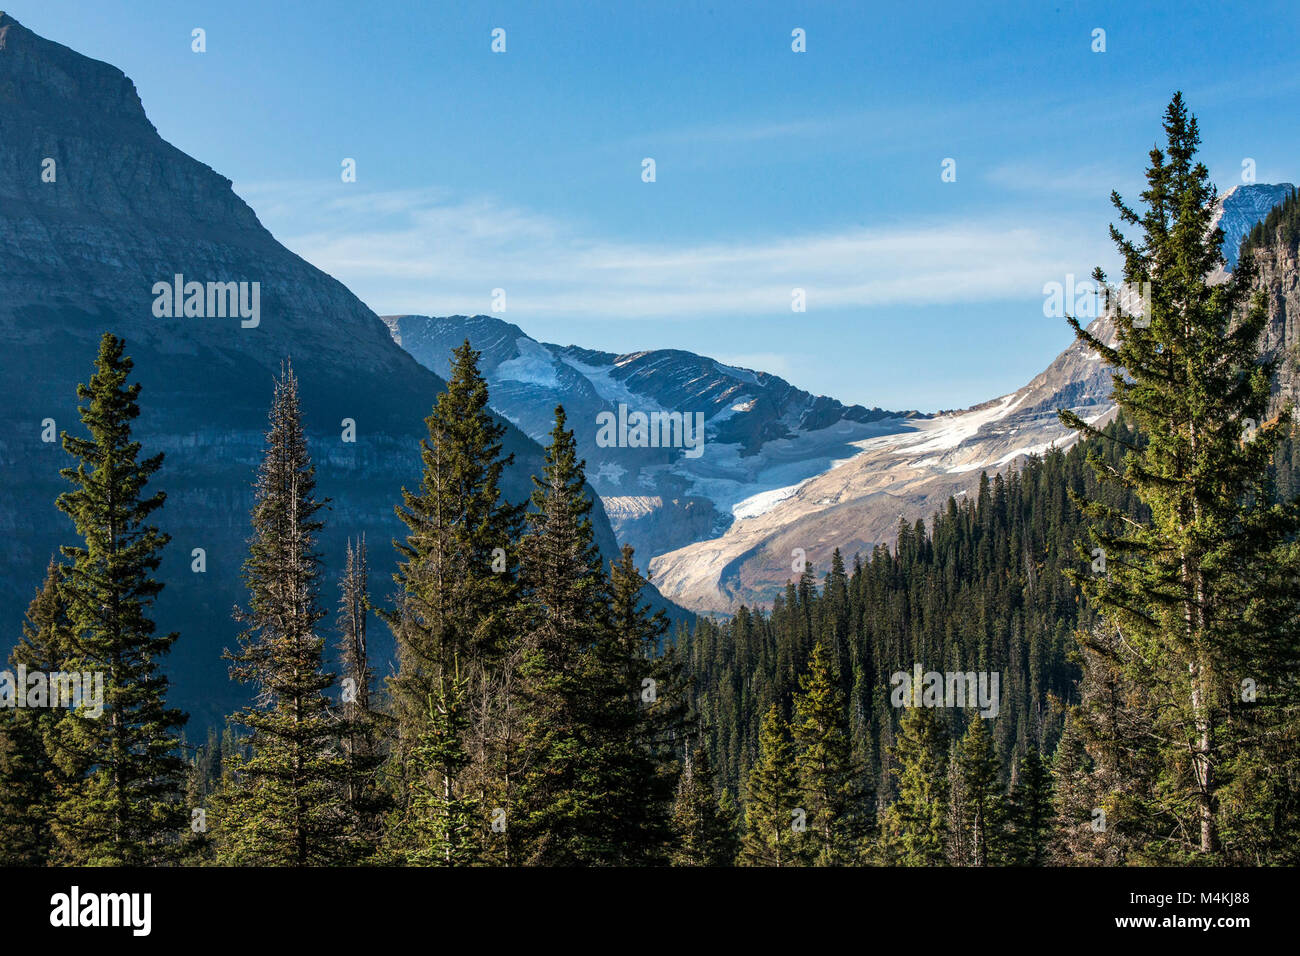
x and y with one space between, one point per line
457 590
775 818
639 718
1030 812
30 779
915 827
362 725
127 808
827 775
1204 596
286 806
704 832
444 823
981 817
559 815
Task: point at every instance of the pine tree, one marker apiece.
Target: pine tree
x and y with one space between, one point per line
457 593
286 806
443 826
704 832
30 779
1079 836
1206 593
127 809
638 717
1030 812
362 726
981 817
828 778
915 827
775 820
559 816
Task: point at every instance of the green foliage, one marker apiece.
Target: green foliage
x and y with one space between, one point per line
703 829
284 805
443 826
980 816
1280 229
596 784
914 829
1029 815
1206 594
830 781
775 819
363 727
457 594
124 806
30 779
983 588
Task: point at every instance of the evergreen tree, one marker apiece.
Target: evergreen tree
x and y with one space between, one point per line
827 775
1206 593
286 805
1030 812
443 826
915 827
775 819
704 831
30 780
127 807
981 818
559 814
639 718
1078 825
457 591
362 725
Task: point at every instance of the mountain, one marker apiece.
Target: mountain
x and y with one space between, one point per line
95 209
910 476
786 476
1238 210
904 476
762 437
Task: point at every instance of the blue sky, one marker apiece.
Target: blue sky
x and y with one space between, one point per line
774 169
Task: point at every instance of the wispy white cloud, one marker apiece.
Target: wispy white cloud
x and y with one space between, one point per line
1047 176
425 251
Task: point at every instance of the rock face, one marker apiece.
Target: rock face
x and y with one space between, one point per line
95 208
1240 208
904 476
1278 276
761 435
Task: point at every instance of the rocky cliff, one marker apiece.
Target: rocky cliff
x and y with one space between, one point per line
95 209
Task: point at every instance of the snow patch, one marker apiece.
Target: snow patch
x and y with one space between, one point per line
743 374
764 501
533 366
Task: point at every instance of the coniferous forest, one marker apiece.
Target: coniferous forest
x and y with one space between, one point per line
1125 610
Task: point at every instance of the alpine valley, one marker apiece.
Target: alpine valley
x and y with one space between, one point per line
288 583
786 477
